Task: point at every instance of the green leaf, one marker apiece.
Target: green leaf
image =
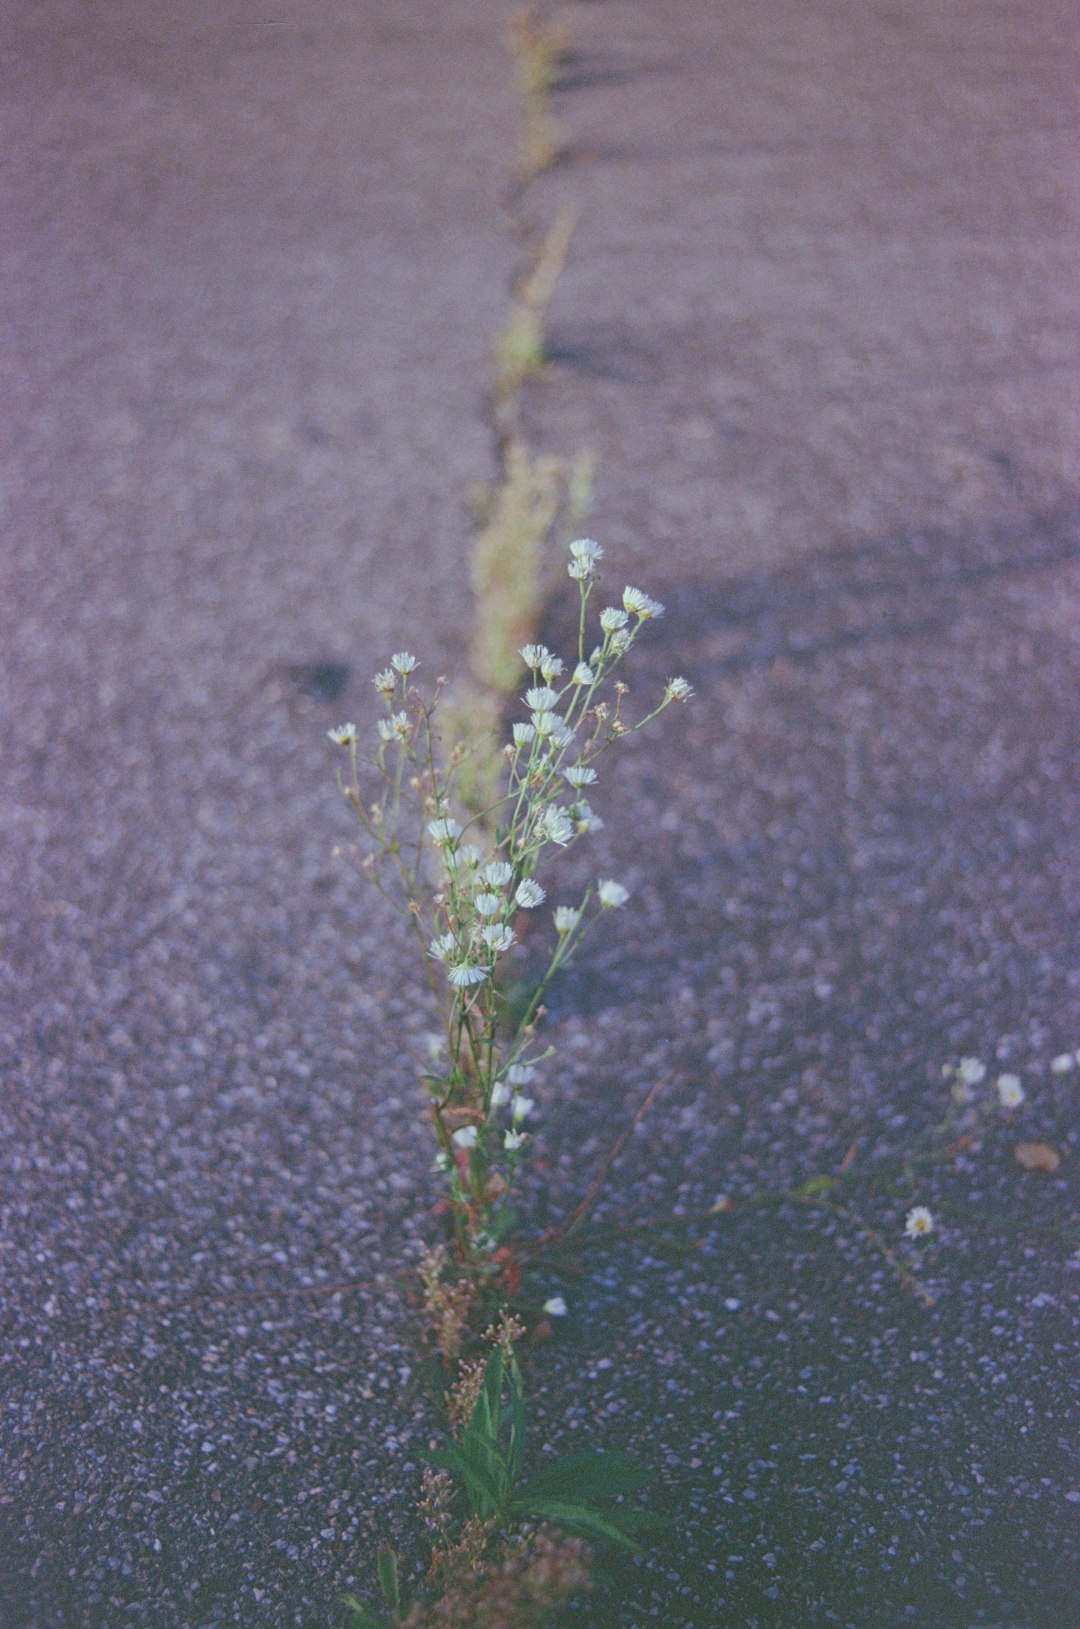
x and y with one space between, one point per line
587 1475
816 1186
486 1497
576 1518
387 1565
361 1616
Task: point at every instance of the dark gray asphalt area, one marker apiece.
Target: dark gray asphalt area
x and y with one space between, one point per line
819 322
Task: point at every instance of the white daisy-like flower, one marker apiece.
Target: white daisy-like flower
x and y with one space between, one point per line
918 1222
465 975
443 832
971 1071
497 873
534 655
487 904
523 1107
1063 1064
540 699
580 775
583 674
514 1139
555 825
465 1137
545 724
620 640
497 939
613 619
561 735
385 682
523 734
612 894
403 662
1010 1091
528 894
394 728
677 690
584 819
579 571
550 668
555 1307
640 605
587 549
443 947
344 735
500 1094
471 855
520 1074
566 918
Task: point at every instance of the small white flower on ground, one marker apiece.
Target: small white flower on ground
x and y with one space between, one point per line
550 668
461 977
394 727
465 1138
555 825
534 655
500 1094
640 605
612 894
1010 1091
385 681
523 1107
587 549
497 939
580 775
612 619
523 734
971 1071
918 1222
403 661
583 674
497 873
443 947
566 918
540 699
1064 1063
444 831
555 1307
677 690
520 1074
343 736
514 1139
528 894
487 904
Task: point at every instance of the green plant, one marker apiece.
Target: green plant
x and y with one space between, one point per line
521 348
538 49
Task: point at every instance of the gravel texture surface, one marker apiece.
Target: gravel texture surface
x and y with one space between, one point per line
819 323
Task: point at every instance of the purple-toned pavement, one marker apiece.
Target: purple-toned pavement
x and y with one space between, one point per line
819 323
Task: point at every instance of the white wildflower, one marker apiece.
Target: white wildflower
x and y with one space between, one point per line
443 832
487 904
523 1107
497 873
561 735
585 548
344 735
677 690
497 939
550 668
566 918
620 640
396 727
584 819
1063 1064
583 674
580 775
465 1137
403 662
461 977
613 619
386 682
541 699
523 734
471 855
546 723
612 894
918 1222
443 947
971 1071
514 1139
528 894
534 656
1010 1091
555 1307
500 1094
640 605
555 825
579 570
520 1074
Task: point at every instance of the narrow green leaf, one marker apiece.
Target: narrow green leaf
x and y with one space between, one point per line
361 1616
387 1565
587 1475
485 1496
576 1518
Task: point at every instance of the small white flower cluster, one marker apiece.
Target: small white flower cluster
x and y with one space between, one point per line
918 1222
971 1072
